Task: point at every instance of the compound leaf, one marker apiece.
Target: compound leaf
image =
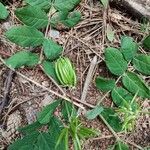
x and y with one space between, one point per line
51 49
115 61
32 16
142 63
104 84
25 36
47 113
3 11
135 84
128 47
22 58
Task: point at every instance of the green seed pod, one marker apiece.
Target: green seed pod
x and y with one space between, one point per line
65 72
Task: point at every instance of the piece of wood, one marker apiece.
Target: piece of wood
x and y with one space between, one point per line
137 8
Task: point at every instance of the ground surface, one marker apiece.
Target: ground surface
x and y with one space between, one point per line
81 44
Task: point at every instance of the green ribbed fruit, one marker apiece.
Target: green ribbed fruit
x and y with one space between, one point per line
65 72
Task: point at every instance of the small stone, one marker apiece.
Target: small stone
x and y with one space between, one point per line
45 83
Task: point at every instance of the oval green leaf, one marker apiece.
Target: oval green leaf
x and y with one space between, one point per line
112 118
51 49
121 97
25 36
43 4
115 61
121 146
146 42
104 84
3 11
28 59
32 16
47 113
128 47
91 114
142 63
135 84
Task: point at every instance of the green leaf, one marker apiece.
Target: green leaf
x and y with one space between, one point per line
112 118
104 84
65 19
146 42
142 63
121 97
3 11
121 146
66 5
27 59
110 33
32 16
128 47
72 19
46 114
30 128
115 61
45 141
63 137
49 70
55 128
51 49
68 110
105 3
21 144
87 132
91 114
135 84
43 4
25 36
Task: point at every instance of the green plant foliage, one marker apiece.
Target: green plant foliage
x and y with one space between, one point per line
27 59
32 16
128 47
135 84
146 42
49 70
91 114
66 5
25 143
25 36
46 114
51 49
110 33
121 97
65 72
112 118
115 61
104 84
72 19
105 3
66 19
68 110
30 128
3 11
45 141
43 4
142 63
121 146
